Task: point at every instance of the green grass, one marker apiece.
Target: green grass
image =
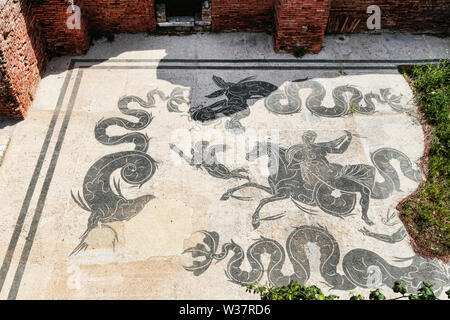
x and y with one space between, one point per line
427 213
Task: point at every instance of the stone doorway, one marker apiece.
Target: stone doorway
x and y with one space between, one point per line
182 13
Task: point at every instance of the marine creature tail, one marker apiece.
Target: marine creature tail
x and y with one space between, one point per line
82 245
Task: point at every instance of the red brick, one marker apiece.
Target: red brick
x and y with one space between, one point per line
300 23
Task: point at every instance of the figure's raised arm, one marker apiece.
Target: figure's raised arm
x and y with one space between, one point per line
339 145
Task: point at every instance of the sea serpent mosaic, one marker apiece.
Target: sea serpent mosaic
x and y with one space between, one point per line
237 96
105 203
362 268
136 168
300 173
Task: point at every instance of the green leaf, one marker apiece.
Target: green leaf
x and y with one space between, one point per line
399 287
426 291
376 295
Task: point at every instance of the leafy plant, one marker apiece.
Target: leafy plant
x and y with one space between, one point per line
427 213
399 287
296 291
376 295
357 297
293 291
352 108
341 70
424 293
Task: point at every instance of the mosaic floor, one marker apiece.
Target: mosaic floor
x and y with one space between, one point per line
148 174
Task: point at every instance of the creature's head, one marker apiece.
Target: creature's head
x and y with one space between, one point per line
235 93
223 85
136 205
309 137
207 250
208 113
226 88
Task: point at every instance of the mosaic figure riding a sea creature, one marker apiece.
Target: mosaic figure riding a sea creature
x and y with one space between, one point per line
303 174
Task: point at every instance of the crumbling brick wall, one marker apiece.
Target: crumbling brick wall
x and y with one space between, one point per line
22 57
431 16
242 15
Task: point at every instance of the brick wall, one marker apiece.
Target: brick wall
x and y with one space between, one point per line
127 16
60 40
31 31
300 23
22 57
396 15
100 16
242 15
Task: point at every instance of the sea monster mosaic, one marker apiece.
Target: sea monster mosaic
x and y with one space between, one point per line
300 173
361 268
303 174
104 201
235 104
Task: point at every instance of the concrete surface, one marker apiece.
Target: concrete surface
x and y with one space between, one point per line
335 173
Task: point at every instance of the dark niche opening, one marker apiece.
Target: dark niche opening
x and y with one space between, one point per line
183 13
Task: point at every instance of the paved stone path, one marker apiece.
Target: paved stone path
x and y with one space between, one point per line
111 188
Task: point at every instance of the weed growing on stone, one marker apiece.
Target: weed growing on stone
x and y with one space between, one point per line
299 52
